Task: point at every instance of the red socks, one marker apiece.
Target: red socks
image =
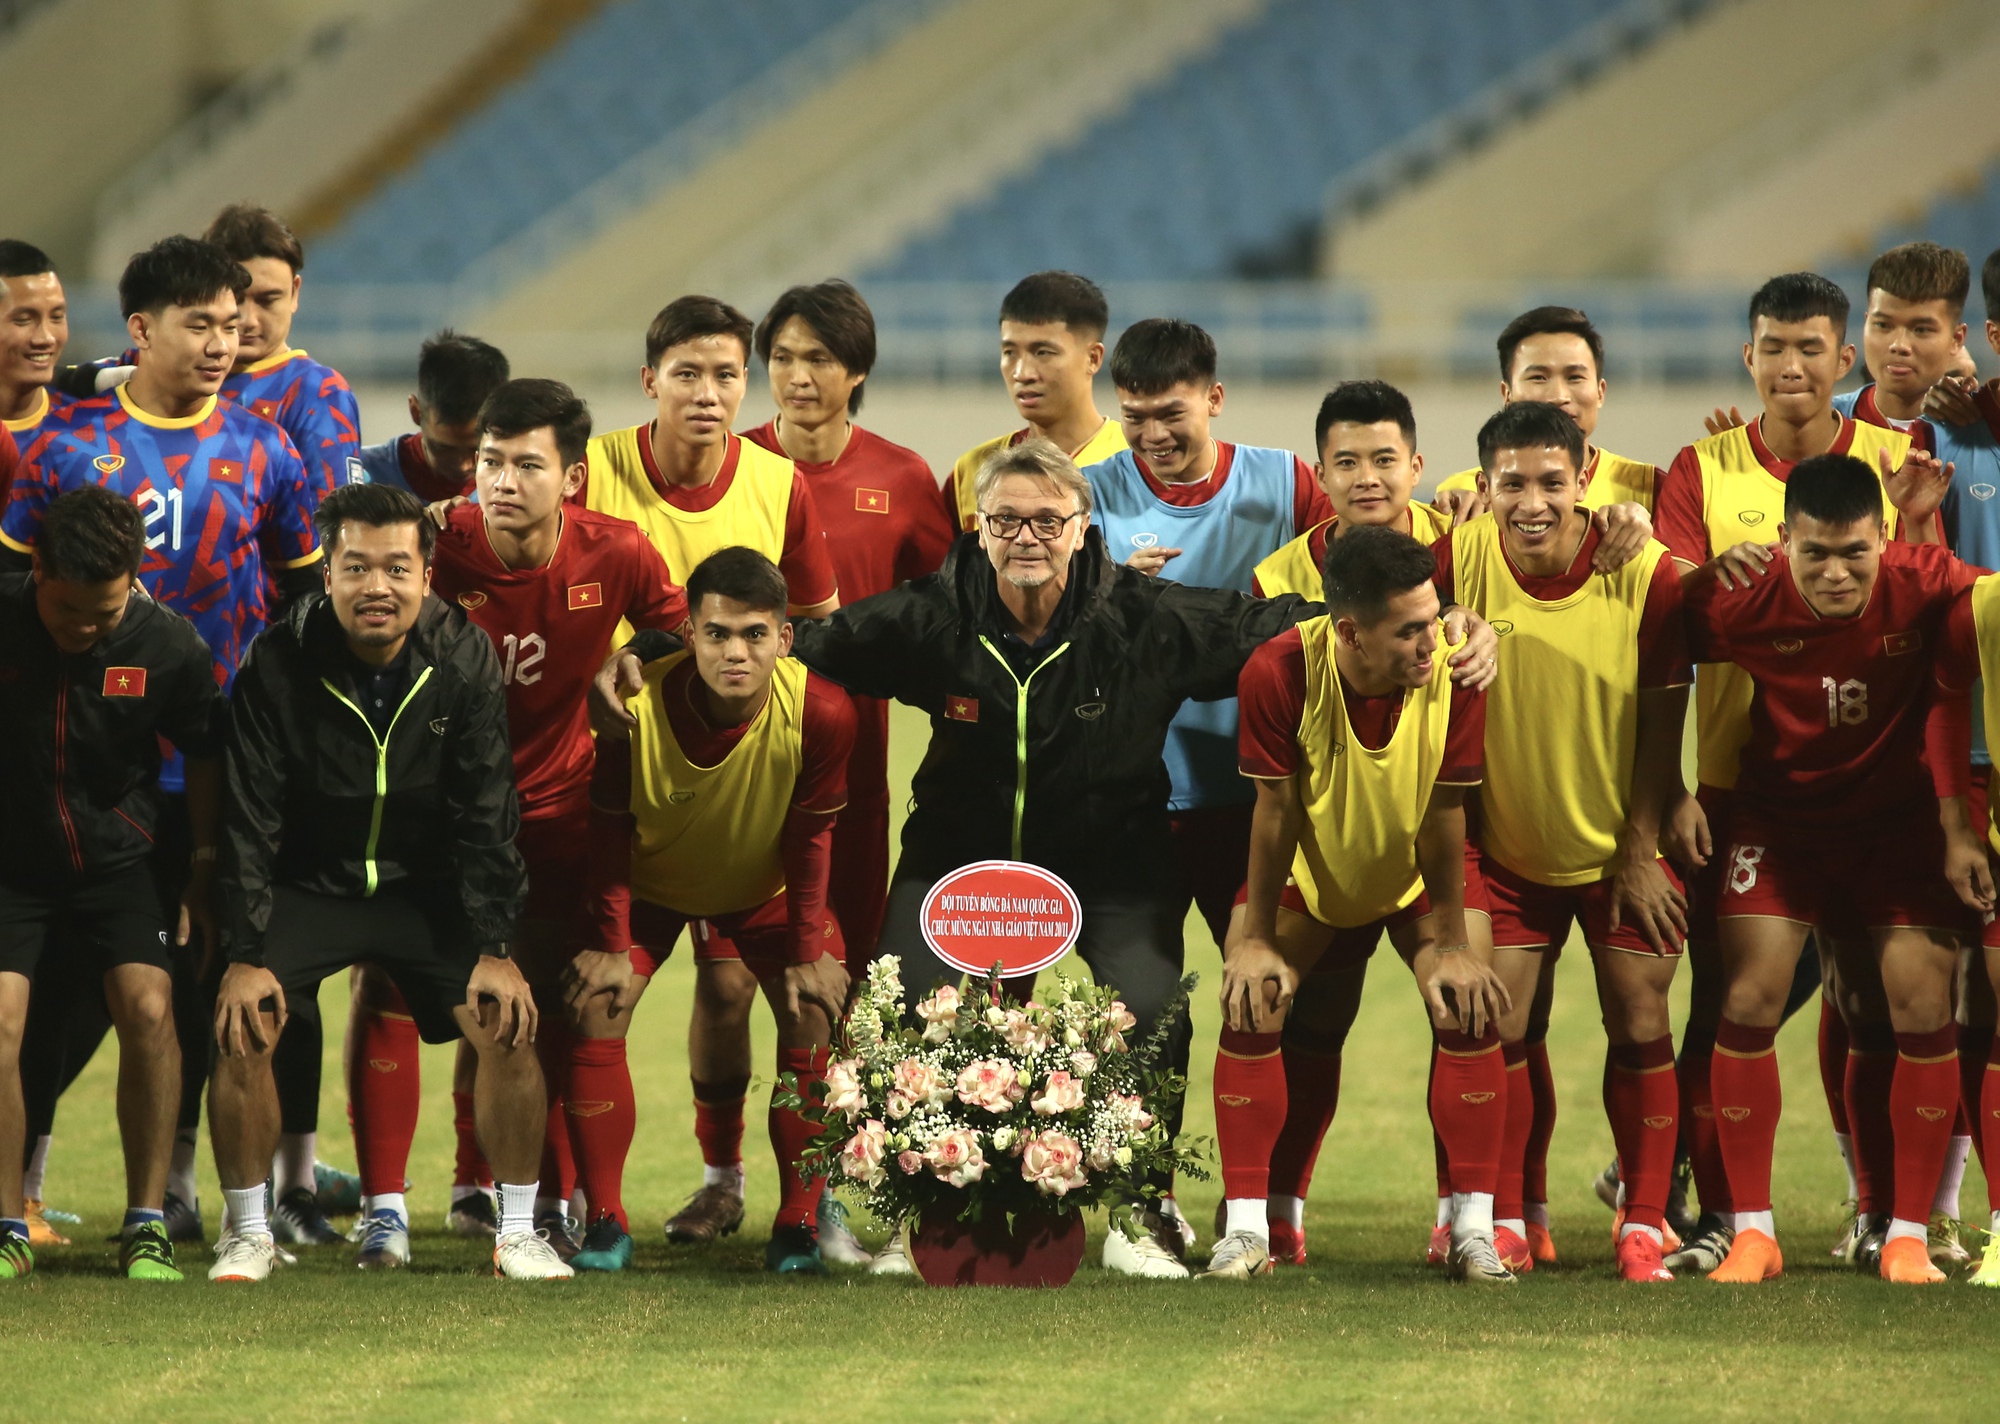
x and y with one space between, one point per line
1975 1048
1535 1167
1834 1045
1711 1182
718 1121
470 1169
1250 1110
1514 1137
791 1132
1468 1102
601 1112
1643 1102
383 1094
1989 1121
1871 1071
1312 1092
1922 1107
1748 1101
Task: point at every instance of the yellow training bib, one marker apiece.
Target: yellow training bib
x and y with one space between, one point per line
707 840
1562 718
1108 441
1358 859
1292 570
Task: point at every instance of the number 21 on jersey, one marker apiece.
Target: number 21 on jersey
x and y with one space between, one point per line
1846 702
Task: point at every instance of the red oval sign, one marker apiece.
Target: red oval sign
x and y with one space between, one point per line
1019 916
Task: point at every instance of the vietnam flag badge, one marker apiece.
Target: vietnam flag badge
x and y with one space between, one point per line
586 595
125 682
961 709
868 501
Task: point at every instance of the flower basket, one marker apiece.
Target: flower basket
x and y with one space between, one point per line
993 1128
1030 1248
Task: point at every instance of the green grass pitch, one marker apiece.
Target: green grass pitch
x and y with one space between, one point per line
1364 1332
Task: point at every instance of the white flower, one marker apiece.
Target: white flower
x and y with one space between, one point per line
1004 1137
939 1013
1084 1062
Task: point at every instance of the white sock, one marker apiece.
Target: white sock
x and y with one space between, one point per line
1899 1228
1538 1212
1845 1142
293 1166
579 1204
1945 1203
180 1168
38 1168
1756 1221
243 1210
1993 1226
386 1201
1170 1209
517 1206
461 1190
1444 1211
1246 1214
1510 1223
1659 1238
1290 1210
1471 1214
730 1177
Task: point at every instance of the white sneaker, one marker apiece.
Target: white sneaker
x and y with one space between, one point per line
1145 1258
244 1256
385 1242
1237 1257
1476 1259
837 1243
894 1258
528 1256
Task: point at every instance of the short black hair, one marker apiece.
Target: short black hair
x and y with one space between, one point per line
1546 321
691 318
1160 353
1530 425
838 316
1800 296
1369 565
1989 284
244 231
1044 297
455 375
90 535
377 506
22 259
1923 272
178 272
741 575
532 403
1364 403
1834 489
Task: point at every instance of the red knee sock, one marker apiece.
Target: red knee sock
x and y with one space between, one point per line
1748 1102
1312 1093
469 1168
383 1094
718 1121
1834 1043
1250 1103
1468 1102
791 1132
1871 1071
1922 1105
1711 1180
1514 1134
601 1115
1989 1121
1975 1048
1535 1165
1643 1103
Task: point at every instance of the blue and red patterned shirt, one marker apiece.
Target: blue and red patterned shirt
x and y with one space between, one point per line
225 495
312 404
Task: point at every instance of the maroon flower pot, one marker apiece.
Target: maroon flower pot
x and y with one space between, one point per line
1030 1249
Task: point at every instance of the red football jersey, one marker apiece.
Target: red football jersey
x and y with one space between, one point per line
1837 720
552 627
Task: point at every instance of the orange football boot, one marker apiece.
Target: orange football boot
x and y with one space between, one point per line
1753 1259
1906 1261
1541 1245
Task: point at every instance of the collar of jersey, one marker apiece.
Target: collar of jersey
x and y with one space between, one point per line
162 422
33 417
290 353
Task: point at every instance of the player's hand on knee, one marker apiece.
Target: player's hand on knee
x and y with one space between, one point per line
1460 504
1463 993
821 982
1685 836
619 681
498 978
1257 986
1622 530
1475 665
596 973
239 1010
1643 897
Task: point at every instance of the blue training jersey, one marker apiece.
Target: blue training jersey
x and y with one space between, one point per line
313 405
1222 540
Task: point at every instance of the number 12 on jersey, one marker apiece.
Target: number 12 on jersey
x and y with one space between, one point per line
522 657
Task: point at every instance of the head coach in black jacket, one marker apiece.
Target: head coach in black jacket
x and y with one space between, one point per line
369 815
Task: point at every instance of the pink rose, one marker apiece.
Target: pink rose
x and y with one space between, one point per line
1131 1108
954 1157
861 1158
1053 1162
1061 1094
920 1082
1023 1034
898 1106
939 1013
1118 1021
843 1088
989 1083
910 1163
1084 1062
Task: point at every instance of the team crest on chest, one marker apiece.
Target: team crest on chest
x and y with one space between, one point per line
1502 626
1982 492
1090 711
1146 540
471 599
1751 517
109 464
586 595
868 501
1788 646
680 798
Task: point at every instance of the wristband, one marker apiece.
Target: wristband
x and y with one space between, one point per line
202 855
1448 948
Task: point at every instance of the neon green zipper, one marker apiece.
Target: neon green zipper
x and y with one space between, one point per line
381 767
1020 730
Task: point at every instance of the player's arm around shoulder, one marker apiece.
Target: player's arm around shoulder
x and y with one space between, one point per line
883 646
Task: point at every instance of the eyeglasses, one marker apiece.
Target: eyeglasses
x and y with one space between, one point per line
1043 526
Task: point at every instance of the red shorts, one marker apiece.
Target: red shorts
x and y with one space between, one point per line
1360 941
1530 915
1843 882
556 850
760 937
1704 886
